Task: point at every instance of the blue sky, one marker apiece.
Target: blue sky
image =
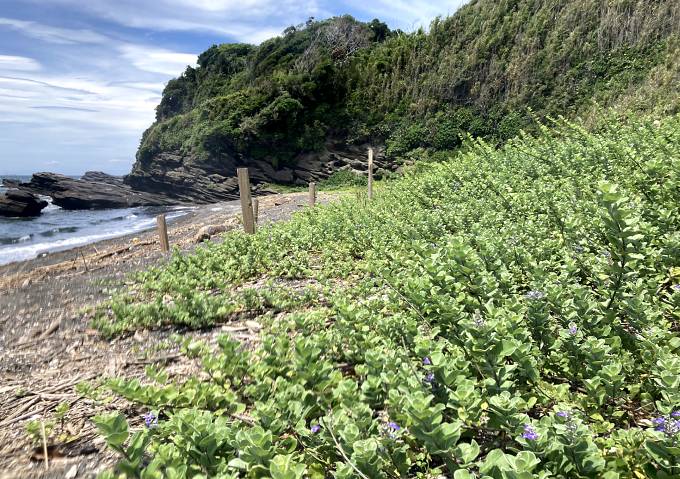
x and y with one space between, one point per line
79 79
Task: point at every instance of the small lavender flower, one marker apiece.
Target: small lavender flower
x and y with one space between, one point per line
529 433
315 428
150 420
427 361
429 378
478 320
394 426
675 414
573 329
660 423
563 414
676 287
535 295
670 428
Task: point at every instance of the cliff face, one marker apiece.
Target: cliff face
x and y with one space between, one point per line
304 104
188 179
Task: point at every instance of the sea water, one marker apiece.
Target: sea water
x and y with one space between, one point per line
58 229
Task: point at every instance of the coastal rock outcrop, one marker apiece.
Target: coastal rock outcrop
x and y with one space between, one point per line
93 191
170 178
188 179
17 203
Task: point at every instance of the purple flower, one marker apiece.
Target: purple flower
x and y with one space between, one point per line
315 428
426 361
660 423
535 295
150 420
676 287
573 329
675 414
670 428
394 426
529 433
564 414
429 378
478 320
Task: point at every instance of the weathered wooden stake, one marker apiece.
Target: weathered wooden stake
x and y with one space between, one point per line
312 194
163 233
246 201
370 174
256 208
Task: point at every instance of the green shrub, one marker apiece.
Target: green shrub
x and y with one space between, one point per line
509 313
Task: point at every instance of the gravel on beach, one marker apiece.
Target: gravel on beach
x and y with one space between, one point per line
47 345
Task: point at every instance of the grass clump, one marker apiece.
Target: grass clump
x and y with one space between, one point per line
510 313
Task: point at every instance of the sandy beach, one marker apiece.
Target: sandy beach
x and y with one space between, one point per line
47 345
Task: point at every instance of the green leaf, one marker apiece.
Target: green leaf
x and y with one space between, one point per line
284 467
114 428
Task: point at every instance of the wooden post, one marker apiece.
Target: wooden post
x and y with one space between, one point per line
246 201
163 233
370 174
256 208
312 194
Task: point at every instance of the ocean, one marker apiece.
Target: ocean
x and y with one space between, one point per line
57 229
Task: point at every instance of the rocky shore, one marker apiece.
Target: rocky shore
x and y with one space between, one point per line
18 203
173 178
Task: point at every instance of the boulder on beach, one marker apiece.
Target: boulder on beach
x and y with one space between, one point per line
17 203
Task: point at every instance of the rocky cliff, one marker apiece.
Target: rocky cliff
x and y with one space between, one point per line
185 179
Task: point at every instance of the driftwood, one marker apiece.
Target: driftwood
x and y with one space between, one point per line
208 232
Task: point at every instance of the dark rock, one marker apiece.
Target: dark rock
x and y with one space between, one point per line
188 178
17 203
98 192
100 177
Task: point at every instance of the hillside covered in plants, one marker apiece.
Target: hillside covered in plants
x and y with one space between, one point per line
490 70
510 313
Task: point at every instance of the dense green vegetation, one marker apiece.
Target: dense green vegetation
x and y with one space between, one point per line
488 70
510 313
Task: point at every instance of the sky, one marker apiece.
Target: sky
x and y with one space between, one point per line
80 79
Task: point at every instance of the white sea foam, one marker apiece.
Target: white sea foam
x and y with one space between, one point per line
21 252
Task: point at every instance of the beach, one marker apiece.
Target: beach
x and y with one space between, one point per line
47 345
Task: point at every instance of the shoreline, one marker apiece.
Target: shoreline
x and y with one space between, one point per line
46 248
47 258
47 343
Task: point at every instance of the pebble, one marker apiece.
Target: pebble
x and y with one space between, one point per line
71 473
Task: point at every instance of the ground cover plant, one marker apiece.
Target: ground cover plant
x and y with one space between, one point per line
509 313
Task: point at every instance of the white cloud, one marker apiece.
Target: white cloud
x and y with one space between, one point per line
10 63
78 103
46 33
243 20
156 60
